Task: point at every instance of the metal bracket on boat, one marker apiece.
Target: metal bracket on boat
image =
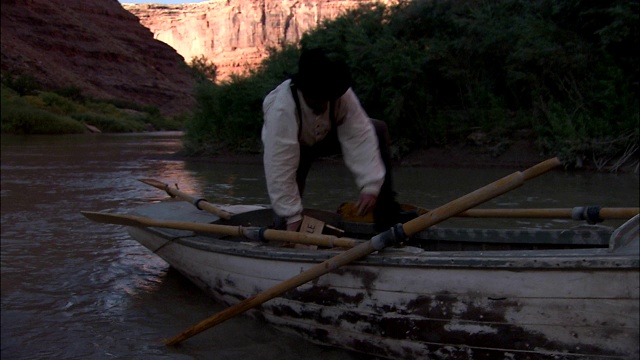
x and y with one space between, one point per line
589 213
393 236
261 235
196 203
253 233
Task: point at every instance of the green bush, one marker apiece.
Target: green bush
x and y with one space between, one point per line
229 114
57 103
437 71
19 117
22 84
203 69
73 93
65 111
102 107
110 124
158 122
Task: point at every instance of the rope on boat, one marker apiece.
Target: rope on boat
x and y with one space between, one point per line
589 213
197 202
393 236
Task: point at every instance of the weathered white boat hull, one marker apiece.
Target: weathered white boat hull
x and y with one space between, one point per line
407 303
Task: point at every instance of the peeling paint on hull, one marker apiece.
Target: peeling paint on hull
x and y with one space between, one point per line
427 305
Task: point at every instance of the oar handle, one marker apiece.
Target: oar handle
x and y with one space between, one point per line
200 203
540 168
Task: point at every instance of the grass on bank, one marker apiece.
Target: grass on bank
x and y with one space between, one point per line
27 109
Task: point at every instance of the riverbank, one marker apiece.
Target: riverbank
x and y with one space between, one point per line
519 155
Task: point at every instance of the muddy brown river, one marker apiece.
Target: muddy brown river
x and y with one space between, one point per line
73 289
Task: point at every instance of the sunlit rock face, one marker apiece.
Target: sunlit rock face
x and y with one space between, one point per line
235 35
96 46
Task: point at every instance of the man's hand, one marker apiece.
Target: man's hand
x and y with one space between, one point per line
366 203
294 226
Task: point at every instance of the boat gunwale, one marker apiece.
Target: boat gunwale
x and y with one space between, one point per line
555 259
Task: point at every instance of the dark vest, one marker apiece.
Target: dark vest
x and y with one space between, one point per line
332 115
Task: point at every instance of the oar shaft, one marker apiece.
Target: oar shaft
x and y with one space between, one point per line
559 213
478 197
203 228
349 213
207 206
464 203
253 233
540 168
310 239
197 202
134 220
619 213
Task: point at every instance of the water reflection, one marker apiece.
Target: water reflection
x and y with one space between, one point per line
231 183
72 289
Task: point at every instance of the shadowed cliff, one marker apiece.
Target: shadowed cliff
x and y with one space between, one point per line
96 46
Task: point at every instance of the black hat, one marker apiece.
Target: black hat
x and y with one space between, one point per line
320 76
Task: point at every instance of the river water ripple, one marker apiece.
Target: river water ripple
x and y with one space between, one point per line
72 289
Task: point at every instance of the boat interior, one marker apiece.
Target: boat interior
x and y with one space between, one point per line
578 235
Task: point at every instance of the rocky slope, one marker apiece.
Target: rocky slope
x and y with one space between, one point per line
96 46
235 35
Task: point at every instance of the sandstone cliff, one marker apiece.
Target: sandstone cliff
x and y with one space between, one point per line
235 35
94 45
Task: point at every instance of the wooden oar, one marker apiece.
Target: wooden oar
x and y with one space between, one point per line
349 211
252 233
200 203
378 242
589 213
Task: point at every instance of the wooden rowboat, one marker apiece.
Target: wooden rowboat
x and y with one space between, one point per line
447 293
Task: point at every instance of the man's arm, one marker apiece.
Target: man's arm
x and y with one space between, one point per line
360 147
281 154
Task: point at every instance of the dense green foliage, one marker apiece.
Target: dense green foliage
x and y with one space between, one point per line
564 73
229 114
28 109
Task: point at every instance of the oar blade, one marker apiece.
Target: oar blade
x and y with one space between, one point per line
125 220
